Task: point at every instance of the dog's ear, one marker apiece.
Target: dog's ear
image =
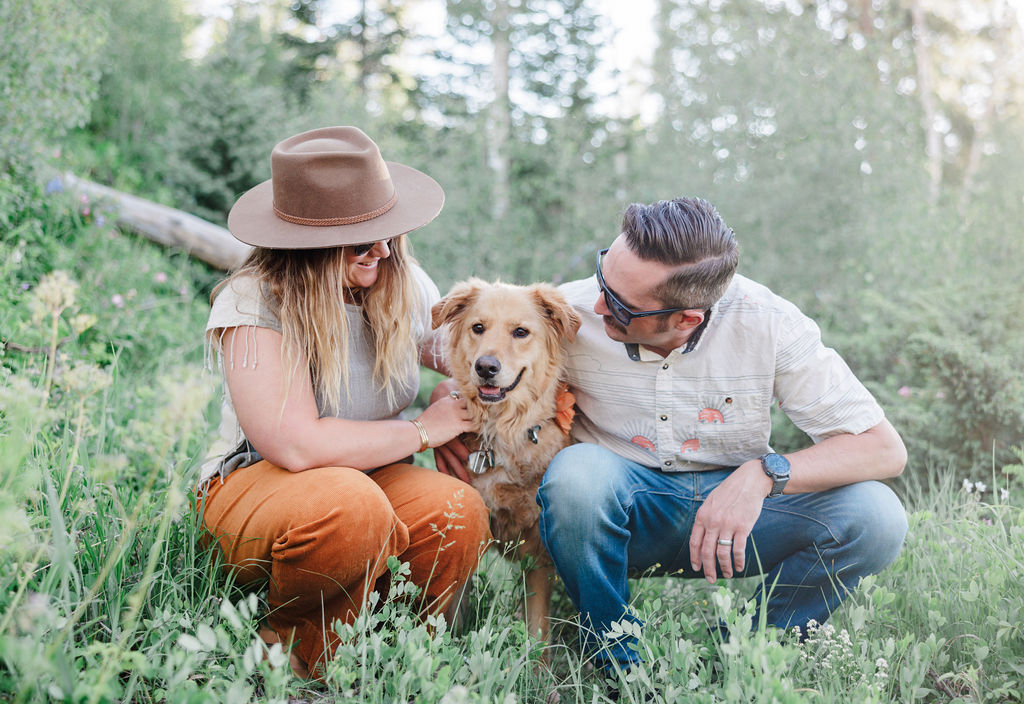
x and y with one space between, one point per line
455 303
563 317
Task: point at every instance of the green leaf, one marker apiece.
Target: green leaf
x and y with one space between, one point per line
207 637
190 643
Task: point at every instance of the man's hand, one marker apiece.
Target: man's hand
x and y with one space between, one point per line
729 513
451 457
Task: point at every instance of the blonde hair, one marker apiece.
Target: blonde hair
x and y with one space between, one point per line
306 288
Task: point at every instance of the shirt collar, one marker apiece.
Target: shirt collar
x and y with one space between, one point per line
638 353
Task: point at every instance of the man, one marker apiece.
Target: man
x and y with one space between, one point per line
674 370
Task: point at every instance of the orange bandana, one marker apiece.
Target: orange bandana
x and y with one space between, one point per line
564 408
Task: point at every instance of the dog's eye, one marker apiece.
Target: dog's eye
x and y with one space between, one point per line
520 332
478 328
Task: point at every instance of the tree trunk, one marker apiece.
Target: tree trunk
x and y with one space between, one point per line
926 86
500 123
173 228
364 49
864 22
1004 53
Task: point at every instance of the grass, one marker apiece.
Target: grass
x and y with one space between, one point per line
105 595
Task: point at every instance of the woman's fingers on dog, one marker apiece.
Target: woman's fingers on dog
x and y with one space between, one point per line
446 418
444 388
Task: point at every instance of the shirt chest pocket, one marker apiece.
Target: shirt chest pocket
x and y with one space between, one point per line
731 423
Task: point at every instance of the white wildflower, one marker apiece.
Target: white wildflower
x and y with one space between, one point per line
456 695
980 486
1004 495
82 322
187 392
967 485
54 293
15 531
108 468
17 391
85 379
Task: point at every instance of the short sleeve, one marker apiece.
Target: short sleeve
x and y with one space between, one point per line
815 387
241 302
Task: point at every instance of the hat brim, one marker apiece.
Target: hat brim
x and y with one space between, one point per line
253 221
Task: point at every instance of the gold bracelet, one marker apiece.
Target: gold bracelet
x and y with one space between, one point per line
424 438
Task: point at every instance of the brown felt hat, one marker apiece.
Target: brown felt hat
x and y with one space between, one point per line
330 187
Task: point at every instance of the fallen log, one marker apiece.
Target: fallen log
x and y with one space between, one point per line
170 227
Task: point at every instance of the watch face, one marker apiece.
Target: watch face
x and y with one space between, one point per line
776 464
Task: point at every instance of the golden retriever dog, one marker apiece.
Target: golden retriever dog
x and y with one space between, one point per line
505 351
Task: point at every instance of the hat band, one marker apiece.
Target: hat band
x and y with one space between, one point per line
329 222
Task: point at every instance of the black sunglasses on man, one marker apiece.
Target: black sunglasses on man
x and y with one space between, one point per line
619 310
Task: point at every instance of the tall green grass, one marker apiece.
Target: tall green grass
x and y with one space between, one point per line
105 595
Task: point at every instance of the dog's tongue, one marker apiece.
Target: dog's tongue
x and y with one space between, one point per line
490 390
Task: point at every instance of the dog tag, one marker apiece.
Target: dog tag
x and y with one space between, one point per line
480 462
532 434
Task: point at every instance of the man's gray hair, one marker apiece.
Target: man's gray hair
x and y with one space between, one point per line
687 233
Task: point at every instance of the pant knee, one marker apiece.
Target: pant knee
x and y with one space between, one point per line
344 519
578 476
582 498
449 515
878 527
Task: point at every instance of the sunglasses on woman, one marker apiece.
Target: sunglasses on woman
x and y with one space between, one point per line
361 249
619 310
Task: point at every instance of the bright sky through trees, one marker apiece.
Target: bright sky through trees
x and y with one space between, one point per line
628 50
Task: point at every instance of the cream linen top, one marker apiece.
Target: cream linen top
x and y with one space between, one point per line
706 405
241 303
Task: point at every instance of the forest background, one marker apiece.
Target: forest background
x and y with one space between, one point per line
869 155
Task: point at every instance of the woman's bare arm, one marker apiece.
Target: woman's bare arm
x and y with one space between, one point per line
290 433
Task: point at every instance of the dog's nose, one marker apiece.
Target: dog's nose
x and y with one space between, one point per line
487 367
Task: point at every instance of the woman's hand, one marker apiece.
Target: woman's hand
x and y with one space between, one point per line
451 457
444 419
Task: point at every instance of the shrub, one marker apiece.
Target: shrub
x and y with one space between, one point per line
48 72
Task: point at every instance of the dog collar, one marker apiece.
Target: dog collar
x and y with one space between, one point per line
481 460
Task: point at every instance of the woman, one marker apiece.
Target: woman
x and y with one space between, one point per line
319 335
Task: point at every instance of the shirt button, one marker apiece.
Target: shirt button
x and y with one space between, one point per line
668 463
664 417
664 366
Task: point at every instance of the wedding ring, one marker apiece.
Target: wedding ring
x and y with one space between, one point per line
724 541
455 395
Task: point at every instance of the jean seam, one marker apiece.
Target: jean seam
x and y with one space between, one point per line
805 517
834 582
541 523
685 547
839 543
664 492
653 492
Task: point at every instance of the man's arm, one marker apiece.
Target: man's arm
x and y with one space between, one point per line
731 510
877 453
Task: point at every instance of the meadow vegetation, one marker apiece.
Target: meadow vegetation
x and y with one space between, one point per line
106 596
807 138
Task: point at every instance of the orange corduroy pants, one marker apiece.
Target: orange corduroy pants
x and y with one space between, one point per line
323 536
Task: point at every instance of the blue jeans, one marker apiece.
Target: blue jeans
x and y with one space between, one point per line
604 518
